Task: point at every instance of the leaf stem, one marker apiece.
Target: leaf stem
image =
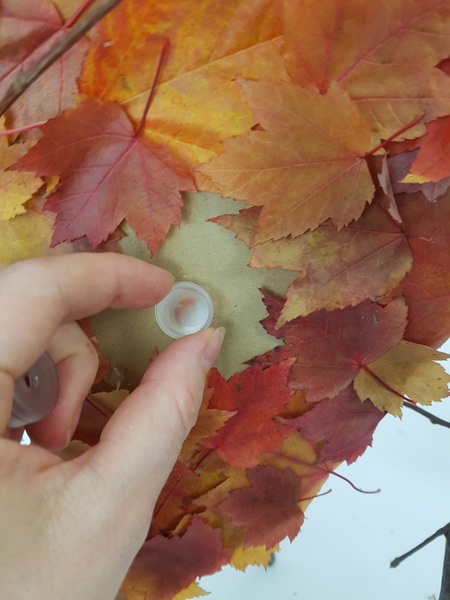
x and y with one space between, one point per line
179 492
71 20
97 408
348 481
152 91
435 420
416 120
442 531
22 82
316 496
202 459
380 381
24 128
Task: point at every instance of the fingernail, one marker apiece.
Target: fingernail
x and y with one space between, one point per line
213 347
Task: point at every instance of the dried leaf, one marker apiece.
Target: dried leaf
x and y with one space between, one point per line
257 397
410 371
344 423
269 508
331 347
211 42
305 167
382 53
107 174
163 567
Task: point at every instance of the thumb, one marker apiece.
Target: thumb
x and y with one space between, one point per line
144 436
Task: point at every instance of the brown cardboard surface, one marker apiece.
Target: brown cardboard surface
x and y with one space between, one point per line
209 255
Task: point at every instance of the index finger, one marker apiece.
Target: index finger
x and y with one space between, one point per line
37 295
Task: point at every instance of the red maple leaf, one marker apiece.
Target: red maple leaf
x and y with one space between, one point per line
107 174
163 567
427 286
257 396
332 346
344 423
269 507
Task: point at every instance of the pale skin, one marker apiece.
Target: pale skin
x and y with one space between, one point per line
70 529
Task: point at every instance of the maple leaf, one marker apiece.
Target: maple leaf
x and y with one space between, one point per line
336 268
176 499
209 420
382 53
95 413
399 166
426 287
27 31
27 235
163 566
344 423
305 167
15 188
408 369
300 455
432 162
331 347
257 556
269 508
197 103
107 174
257 396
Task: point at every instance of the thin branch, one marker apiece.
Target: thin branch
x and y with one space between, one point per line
443 531
432 418
23 82
445 585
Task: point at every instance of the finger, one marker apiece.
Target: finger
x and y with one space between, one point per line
37 295
142 440
77 362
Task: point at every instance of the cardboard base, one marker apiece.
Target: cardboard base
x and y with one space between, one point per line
209 255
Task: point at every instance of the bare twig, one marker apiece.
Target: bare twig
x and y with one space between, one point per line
23 82
445 585
443 531
424 413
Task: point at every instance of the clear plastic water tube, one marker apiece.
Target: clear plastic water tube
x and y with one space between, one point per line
185 310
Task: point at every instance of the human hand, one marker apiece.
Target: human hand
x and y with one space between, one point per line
71 529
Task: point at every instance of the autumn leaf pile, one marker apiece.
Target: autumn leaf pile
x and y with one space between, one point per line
331 119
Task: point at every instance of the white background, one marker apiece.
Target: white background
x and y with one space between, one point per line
348 539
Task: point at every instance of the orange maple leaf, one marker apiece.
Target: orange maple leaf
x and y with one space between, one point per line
305 167
211 42
383 53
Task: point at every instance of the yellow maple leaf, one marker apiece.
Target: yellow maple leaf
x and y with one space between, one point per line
410 370
15 187
253 556
25 236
